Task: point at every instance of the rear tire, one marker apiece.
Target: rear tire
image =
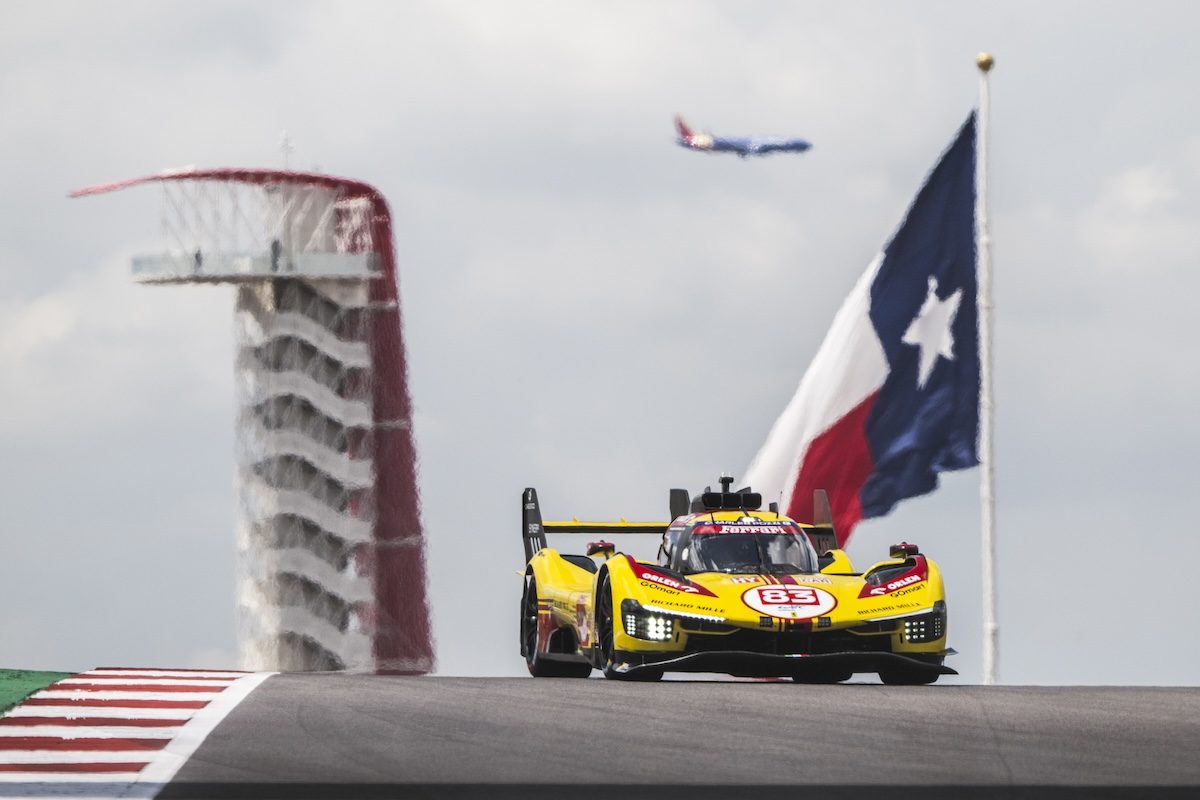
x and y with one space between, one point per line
542 667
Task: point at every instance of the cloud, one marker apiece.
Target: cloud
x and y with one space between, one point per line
99 351
1141 223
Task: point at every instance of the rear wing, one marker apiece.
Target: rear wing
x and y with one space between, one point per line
534 530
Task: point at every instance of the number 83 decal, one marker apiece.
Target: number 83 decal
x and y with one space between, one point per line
789 602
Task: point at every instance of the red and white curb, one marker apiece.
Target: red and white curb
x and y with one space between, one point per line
113 732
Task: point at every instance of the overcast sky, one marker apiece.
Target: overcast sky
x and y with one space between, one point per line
595 312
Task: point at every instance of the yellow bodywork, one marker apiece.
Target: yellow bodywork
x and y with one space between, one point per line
722 603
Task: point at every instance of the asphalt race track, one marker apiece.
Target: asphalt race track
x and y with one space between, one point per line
331 735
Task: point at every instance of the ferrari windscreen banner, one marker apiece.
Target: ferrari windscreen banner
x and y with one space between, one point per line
892 396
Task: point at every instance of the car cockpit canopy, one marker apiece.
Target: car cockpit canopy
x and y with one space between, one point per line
745 545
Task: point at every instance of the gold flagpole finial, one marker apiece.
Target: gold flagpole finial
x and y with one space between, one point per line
984 61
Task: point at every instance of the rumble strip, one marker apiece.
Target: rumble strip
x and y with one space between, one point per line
113 732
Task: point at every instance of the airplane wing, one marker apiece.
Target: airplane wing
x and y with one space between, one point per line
742 147
783 146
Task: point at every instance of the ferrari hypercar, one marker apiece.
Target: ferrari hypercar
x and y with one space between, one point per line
734 590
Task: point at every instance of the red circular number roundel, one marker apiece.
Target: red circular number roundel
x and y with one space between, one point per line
789 602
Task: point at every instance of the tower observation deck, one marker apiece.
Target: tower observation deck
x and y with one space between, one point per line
331 552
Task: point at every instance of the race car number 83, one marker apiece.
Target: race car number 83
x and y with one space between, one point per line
789 602
797 595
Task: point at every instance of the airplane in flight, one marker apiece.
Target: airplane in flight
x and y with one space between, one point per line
744 146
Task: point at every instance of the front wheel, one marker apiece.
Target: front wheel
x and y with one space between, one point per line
822 677
908 676
604 639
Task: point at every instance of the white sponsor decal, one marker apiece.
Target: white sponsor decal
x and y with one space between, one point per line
670 583
790 602
897 584
760 528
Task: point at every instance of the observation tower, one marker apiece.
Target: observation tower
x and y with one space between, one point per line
331 552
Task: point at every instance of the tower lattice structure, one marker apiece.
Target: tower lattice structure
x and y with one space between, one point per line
331 551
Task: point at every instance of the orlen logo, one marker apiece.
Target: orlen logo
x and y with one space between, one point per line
790 602
918 573
654 576
897 584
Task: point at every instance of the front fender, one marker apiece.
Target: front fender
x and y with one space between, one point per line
563 588
629 580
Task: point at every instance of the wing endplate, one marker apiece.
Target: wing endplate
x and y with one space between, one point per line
822 533
533 533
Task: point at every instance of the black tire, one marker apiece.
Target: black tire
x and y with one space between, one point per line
823 677
604 637
541 667
908 676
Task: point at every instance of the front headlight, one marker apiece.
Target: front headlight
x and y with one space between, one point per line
642 624
926 627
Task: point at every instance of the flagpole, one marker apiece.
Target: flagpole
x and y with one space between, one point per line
987 497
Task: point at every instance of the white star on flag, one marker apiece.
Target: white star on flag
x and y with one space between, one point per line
930 330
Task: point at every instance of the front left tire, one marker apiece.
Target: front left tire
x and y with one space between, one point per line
823 676
908 676
604 635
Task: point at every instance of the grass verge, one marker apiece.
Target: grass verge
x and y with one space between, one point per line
17 684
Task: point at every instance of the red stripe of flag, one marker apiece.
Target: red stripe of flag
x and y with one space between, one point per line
58 743
131 687
839 461
104 766
92 701
93 721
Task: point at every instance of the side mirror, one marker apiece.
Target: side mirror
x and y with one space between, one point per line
601 548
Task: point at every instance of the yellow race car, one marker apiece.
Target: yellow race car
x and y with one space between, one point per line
734 590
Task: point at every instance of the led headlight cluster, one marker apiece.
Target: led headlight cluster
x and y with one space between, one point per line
926 627
643 624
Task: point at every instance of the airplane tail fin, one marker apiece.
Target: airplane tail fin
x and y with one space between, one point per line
685 133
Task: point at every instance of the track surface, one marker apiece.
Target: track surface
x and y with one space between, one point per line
360 733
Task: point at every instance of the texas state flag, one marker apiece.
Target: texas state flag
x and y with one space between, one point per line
892 396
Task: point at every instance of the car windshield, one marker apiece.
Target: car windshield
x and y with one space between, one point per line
778 548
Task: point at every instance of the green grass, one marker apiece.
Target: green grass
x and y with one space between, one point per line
17 684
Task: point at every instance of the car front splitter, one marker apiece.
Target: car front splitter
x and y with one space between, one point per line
744 663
